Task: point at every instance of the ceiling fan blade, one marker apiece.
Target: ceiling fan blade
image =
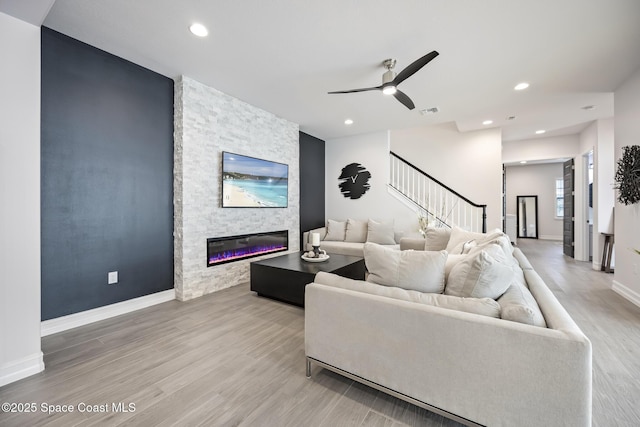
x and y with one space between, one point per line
406 101
414 67
357 90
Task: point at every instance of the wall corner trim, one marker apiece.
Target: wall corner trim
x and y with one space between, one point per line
82 318
22 368
626 292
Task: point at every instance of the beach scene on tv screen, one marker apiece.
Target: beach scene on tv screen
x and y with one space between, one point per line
251 182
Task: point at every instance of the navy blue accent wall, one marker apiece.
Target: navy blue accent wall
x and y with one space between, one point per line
107 178
311 183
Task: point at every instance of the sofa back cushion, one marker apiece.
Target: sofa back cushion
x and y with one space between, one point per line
415 270
485 274
380 233
335 230
356 231
482 306
436 239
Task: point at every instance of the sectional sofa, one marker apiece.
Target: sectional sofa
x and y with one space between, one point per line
348 237
504 357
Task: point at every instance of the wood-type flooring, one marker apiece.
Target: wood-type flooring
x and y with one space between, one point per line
232 358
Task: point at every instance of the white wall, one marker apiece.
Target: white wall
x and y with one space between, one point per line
470 162
20 353
372 152
599 138
536 180
554 147
627 218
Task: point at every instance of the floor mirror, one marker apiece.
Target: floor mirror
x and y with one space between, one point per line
528 217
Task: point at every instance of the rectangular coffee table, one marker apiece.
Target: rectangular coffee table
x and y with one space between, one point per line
285 277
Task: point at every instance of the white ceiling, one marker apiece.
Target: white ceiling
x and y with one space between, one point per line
285 55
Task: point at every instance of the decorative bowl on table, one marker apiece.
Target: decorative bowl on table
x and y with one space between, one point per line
311 257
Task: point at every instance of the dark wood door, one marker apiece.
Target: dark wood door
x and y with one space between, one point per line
569 216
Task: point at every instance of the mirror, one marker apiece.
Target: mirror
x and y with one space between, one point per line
528 217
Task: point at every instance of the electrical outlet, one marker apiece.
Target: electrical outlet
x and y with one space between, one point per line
112 278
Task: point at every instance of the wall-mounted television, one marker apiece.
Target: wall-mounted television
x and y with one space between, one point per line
248 182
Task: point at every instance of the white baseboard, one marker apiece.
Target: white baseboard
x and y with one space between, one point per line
549 237
74 320
22 368
626 293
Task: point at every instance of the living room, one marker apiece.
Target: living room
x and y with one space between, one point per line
478 173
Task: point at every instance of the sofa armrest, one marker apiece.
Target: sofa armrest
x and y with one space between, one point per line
417 244
491 371
306 237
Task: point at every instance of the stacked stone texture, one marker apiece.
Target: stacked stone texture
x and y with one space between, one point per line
208 122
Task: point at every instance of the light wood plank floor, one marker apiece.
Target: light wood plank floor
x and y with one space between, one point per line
235 359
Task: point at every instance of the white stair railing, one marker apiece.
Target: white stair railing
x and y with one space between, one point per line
437 201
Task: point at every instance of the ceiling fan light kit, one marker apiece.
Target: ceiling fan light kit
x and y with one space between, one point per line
391 80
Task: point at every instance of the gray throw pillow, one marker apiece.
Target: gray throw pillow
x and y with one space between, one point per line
335 231
380 233
486 274
413 270
356 231
436 239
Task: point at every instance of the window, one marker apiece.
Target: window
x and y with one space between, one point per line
559 198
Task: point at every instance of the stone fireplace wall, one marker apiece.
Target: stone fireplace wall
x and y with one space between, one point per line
206 123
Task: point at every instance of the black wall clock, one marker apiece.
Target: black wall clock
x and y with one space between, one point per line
355 180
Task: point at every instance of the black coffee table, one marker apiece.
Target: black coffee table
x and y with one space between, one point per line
285 277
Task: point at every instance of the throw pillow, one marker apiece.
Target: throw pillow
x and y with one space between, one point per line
459 237
356 231
486 274
415 270
518 305
335 230
452 261
436 239
380 233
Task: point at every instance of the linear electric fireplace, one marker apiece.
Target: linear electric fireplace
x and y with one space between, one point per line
221 250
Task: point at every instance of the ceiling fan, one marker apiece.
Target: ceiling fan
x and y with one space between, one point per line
390 80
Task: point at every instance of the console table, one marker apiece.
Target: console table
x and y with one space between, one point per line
284 277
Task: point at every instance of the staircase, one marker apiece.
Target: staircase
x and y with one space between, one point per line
442 206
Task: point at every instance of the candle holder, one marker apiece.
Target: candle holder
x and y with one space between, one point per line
316 251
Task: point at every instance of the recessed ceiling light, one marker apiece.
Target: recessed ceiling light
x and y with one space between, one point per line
588 107
521 86
511 118
199 30
523 162
540 132
487 122
348 122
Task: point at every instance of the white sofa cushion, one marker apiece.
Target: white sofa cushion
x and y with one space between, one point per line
335 230
486 274
380 233
459 237
518 305
342 248
482 306
416 270
356 231
436 239
522 260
